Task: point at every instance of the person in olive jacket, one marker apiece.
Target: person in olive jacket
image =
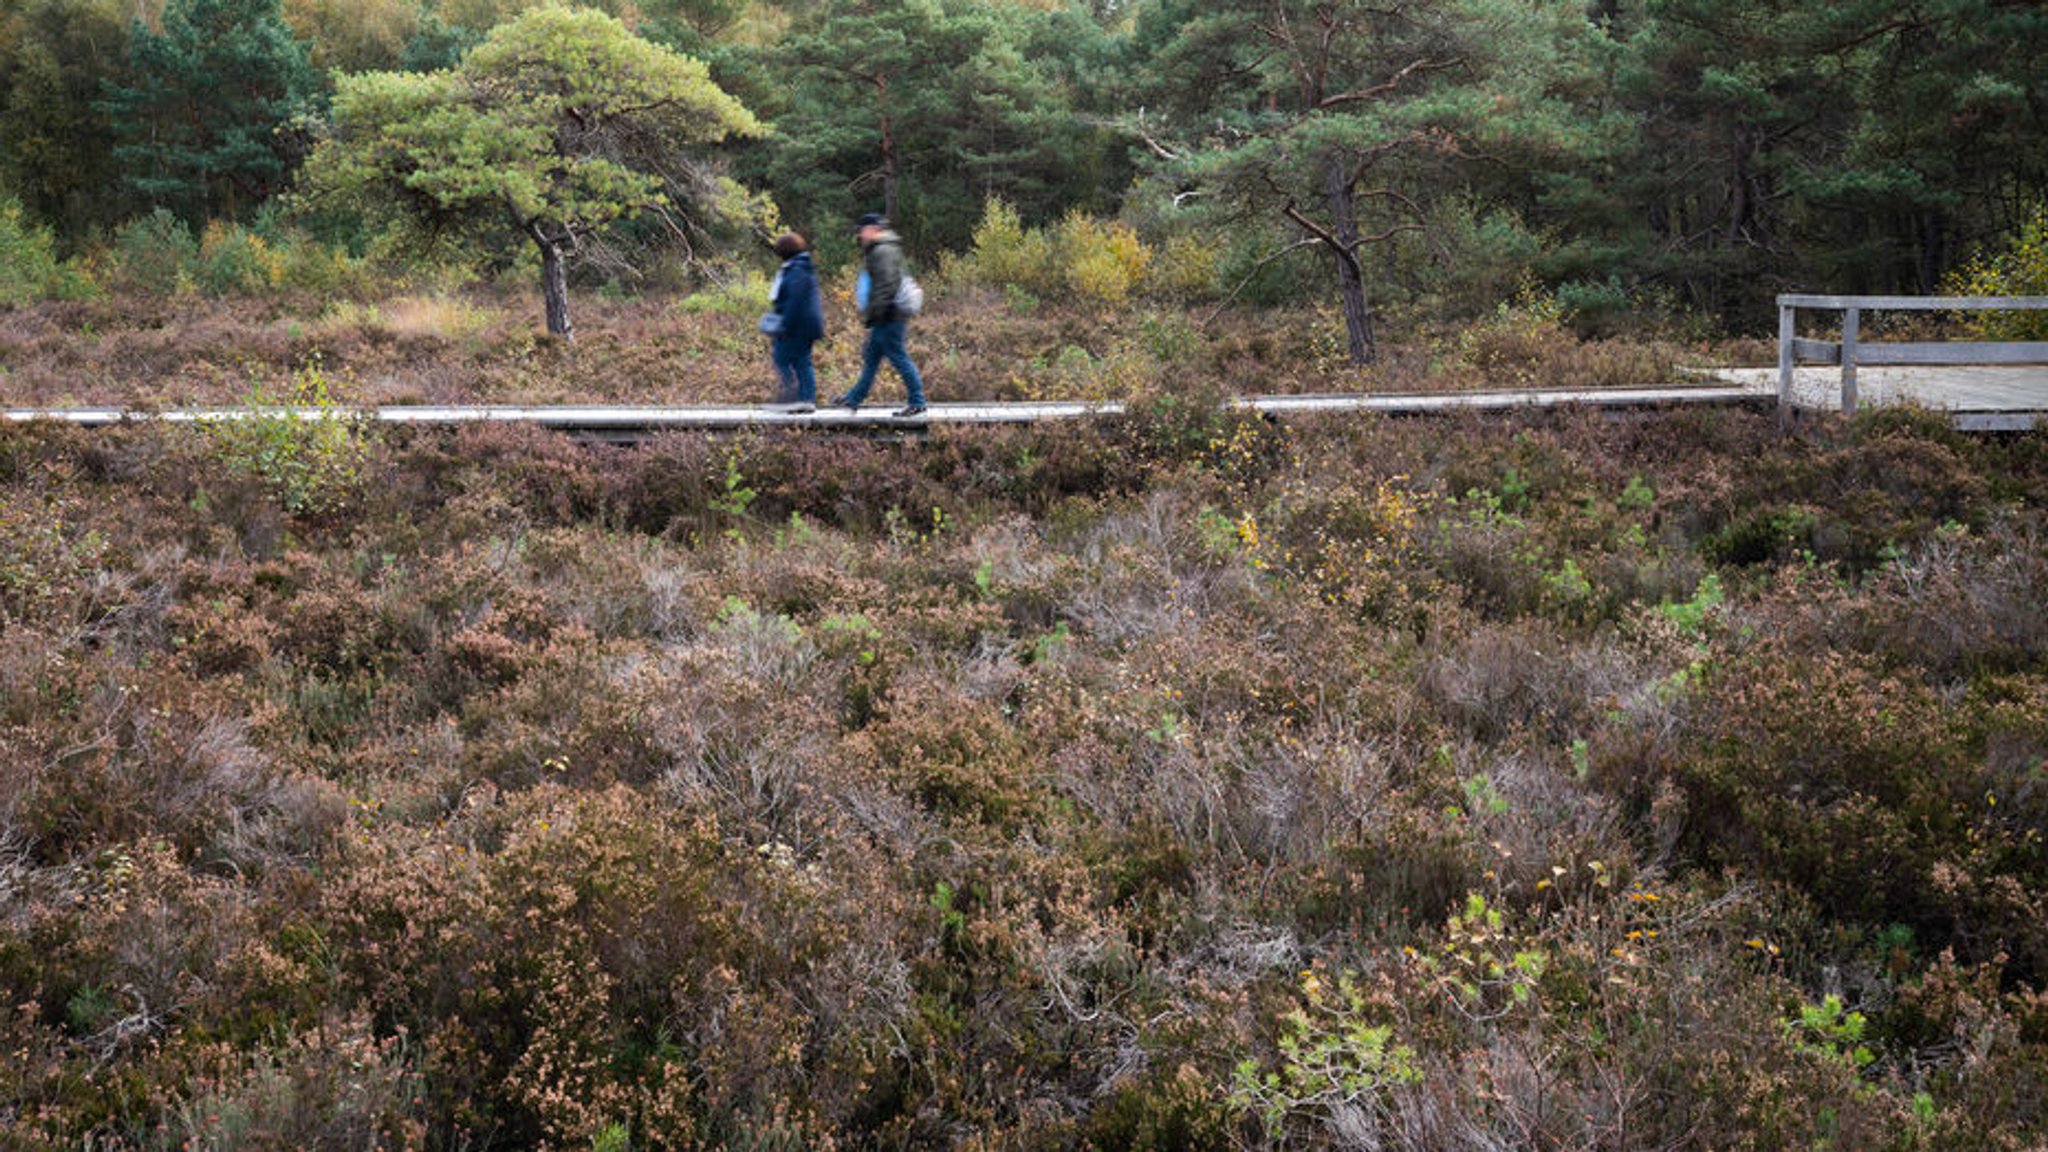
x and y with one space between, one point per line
799 323
882 267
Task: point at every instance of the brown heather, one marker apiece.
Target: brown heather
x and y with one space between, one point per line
1183 781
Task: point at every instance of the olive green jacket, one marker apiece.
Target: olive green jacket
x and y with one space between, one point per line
884 262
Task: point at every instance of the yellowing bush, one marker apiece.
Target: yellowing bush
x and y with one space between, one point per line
1104 262
1100 261
1007 253
2020 270
234 261
1186 268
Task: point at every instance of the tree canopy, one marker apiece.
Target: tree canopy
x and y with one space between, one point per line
202 119
559 124
1705 154
1342 121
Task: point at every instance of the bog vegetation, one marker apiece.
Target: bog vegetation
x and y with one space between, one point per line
1178 781
1186 781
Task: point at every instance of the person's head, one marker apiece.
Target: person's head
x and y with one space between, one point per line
789 244
870 225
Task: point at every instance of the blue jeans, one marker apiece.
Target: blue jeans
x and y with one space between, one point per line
885 342
797 378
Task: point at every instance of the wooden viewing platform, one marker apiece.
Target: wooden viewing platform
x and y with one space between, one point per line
1989 385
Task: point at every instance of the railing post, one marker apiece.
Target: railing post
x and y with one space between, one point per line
1788 330
1850 322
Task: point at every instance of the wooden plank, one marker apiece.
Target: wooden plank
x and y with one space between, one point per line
1917 303
1788 357
1816 351
2000 421
1953 353
1851 329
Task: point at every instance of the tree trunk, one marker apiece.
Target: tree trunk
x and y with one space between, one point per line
554 284
888 151
1350 277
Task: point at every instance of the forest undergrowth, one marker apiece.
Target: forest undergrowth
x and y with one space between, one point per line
1181 781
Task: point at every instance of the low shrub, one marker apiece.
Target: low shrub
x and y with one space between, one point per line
1103 263
29 267
1862 789
233 261
307 446
155 253
2018 268
1006 253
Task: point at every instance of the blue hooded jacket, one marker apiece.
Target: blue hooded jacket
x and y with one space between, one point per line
796 300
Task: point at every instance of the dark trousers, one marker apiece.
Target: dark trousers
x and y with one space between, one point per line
796 377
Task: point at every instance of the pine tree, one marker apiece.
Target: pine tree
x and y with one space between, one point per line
558 125
1344 120
204 120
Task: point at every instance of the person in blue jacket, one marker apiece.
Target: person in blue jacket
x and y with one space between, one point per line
795 321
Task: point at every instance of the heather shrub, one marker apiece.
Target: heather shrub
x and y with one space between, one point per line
1550 341
1861 788
1489 551
560 712
335 1086
1015 787
553 968
1510 346
46 555
1959 604
956 758
1162 1111
1895 480
1504 680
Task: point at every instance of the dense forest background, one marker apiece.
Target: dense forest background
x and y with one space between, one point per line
1629 156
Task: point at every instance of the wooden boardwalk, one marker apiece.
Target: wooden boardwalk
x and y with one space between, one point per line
635 421
2005 398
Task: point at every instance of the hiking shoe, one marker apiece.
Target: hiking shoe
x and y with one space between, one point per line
907 413
841 402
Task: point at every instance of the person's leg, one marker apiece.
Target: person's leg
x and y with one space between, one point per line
787 376
870 360
806 374
899 356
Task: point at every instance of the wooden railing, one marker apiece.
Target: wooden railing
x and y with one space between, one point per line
1852 350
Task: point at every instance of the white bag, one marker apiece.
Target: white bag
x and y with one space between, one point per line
909 297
